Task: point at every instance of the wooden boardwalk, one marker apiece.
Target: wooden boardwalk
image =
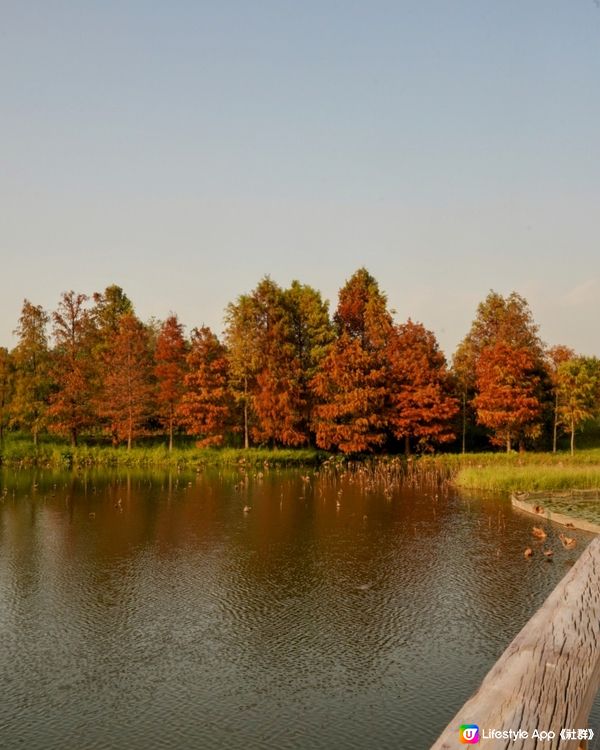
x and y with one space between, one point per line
535 505
549 675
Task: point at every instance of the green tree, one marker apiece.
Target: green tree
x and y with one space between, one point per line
31 358
555 357
109 307
244 356
265 366
312 335
278 399
578 386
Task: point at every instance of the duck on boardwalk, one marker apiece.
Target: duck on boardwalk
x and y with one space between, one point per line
528 552
538 533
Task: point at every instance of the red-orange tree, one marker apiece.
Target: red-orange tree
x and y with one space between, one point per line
127 391
6 385
507 398
169 368
71 408
351 385
498 319
206 405
278 401
421 405
266 370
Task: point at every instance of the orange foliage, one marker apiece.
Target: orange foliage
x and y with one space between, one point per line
351 384
266 365
278 403
169 357
421 406
206 405
70 408
126 398
507 401
352 395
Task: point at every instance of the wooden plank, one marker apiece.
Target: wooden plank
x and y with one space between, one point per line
549 675
538 509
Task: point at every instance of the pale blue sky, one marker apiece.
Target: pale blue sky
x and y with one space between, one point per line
185 149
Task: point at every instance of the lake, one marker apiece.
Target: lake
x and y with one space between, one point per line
149 610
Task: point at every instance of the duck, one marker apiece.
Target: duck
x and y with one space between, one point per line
538 533
247 508
568 542
548 554
528 552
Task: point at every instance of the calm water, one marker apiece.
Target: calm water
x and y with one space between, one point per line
148 611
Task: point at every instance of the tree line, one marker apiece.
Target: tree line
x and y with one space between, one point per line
286 373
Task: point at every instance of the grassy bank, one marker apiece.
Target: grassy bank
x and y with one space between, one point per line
509 472
529 471
485 471
20 454
529 478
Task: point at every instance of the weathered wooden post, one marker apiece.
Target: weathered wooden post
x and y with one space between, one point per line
548 676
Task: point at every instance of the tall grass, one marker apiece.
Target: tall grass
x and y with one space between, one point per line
486 471
529 477
19 453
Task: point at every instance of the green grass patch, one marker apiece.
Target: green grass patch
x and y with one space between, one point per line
529 477
484 471
21 453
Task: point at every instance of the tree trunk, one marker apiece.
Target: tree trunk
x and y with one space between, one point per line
572 436
555 424
73 437
171 430
246 440
464 423
407 445
508 443
35 437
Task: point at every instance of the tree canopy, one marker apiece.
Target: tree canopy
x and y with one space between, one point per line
285 373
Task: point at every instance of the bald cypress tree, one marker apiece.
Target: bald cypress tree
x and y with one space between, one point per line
351 384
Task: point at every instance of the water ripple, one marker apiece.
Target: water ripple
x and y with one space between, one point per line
177 621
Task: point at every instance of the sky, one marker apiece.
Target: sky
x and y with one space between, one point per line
184 150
